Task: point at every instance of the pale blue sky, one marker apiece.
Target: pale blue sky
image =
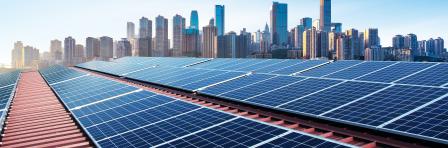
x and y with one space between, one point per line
36 22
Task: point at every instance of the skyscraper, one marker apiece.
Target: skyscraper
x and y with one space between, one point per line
411 42
220 19
92 48
306 22
56 51
194 20
161 40
398 42
242 44
265 40
210 48
279 24
325 15
353 44
178 32
145 29
130 30
298 39
17 60
106 48
123 48
78 54
191 43
371 38
69 49
439 46
309 44
336 27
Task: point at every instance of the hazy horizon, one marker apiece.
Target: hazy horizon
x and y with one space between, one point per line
35 23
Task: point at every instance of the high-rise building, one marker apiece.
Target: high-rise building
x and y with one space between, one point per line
309 44
353 44
298 39
78 54
230 45
322 50
371 38
430 47
439 46
361 44
325 15
220 19
106 48
17 60
375 53
145 29
161 40
130 30
92 48
343 51
336 27
265 40
123 48
30 56
56 52
411 42
144 47
210 47
69 51
398 42
191 43
178 32
316 24
194 20
279 24
307 22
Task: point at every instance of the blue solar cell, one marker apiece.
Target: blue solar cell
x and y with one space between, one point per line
300 140
241 63
259 88
6 95
236 133
258 65
236 84
299 67
200 75
360 70
385 105
435 76
329 68
430 122
281 65
291 92
395 72
333 97
211 80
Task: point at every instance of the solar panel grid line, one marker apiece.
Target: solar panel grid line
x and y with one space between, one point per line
110 98
188 76
247 85
6 86
376 70
273 64
351 102
277 88
205 87
256 63
415 73
413 110
137 70
301 62
69 79
271 139
172 117
213 65
296 73
134 113
343 69
234 63
169 78
137 100
198 131
210 78
311 93
189 65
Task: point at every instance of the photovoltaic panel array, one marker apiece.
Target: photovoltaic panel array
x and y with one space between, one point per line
361 93
138 118
8 83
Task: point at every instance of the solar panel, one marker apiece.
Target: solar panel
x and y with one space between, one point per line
300 140
5 96
278 66
241 63
260 88
395 72
360 70
258 65
292 91
194 85
434 76
428 122
199 75
330 68
299 67
385 105
333 97
235 84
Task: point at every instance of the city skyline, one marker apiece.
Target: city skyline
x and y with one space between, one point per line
296 9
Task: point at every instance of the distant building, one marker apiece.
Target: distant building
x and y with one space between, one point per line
325 15
191 41
92 48
55 52
30 57
371 38
194 20
411 42
439 47
130 32
398 42
322 50
316 24
106 48
309 44
145 30
210 41
242 44
178 33
265 40
279 24
374 53
123 48
161 40
78 54
69 51
220 19
336 27
353 44
144 47
307 23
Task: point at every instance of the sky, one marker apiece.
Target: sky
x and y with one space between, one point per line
36 22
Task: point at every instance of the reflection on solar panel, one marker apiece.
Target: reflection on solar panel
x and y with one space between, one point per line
360 70
430 122
236 84
395 72
330 68
291 92
386 105
332 97
434 76
211 80
299 67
